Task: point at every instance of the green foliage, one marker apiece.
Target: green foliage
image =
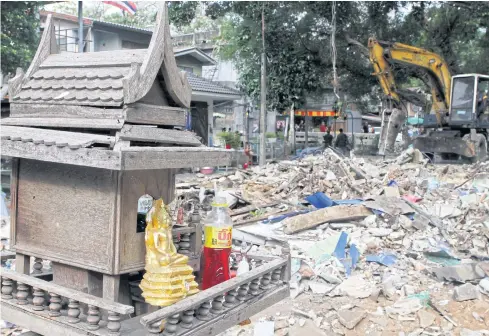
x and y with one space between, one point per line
19 35
269 135
298 43
231 138
181 13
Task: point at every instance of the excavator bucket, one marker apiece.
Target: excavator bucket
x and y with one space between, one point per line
448 142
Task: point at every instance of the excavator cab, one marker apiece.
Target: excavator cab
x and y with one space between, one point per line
469 104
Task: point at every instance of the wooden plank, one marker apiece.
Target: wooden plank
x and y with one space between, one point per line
14 184
134 184
217 324
15 84
249 208
40 321
240 313
136 158
69 293
196 300
54 137
50 220
111 284
77 278
46 47
160 135
22 263
159 55
65 122
176 81
87 157
154 115
99 59
65 111
326 215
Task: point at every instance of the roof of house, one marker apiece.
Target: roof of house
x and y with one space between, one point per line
92 22
204 85
123 26
195 53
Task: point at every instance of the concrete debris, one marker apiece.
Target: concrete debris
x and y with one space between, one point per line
264 328
466 292
432 218
281 324
484 286
326 215
405 306
350 318
426 318
319 287
355 287
468 332
461 273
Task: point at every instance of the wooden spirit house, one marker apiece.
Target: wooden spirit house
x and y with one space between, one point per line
90 134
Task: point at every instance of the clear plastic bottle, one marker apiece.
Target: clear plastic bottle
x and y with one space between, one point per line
217 244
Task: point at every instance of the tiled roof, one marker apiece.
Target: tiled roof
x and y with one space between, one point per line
82 83
123 26
204 85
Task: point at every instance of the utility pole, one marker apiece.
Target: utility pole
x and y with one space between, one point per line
263 95
80 26
245 126
292 126
306 129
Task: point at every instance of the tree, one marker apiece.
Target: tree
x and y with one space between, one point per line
298 42
19 35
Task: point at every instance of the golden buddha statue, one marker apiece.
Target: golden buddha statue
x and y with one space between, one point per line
168 278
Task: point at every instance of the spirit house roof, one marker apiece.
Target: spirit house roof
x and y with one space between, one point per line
121 110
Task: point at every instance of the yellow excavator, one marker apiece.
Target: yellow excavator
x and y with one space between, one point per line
458 124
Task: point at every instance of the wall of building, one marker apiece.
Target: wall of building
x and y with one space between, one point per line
66 34
187 62
105 41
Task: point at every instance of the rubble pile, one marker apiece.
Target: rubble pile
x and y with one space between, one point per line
378 247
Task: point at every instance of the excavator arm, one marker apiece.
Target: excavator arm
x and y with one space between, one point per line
384 54
433 64
382 70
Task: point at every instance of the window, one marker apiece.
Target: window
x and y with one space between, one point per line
62 43
463 99
463 93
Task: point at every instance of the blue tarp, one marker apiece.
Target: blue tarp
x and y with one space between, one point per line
387 259
320 200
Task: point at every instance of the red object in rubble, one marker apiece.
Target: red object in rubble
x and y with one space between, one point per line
218 228
228 146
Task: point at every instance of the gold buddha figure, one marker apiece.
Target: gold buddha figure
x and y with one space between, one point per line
168 278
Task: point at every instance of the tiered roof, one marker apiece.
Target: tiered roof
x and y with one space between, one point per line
120 110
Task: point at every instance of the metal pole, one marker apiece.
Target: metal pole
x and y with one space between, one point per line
263 95
246 120
306 133
80 26
292 126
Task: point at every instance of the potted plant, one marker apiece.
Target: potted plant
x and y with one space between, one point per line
231 139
